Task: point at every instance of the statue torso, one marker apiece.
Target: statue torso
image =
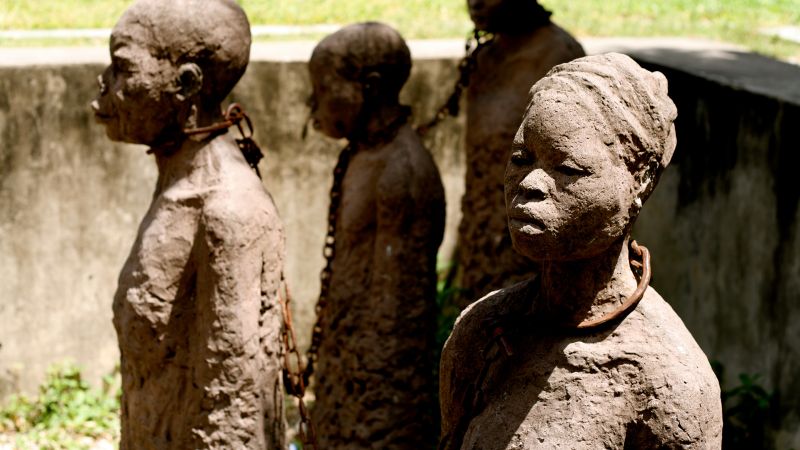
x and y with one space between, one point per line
641 384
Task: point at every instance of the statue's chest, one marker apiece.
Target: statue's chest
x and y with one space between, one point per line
556 394
161 255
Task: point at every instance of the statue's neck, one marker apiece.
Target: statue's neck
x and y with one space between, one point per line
175 154
380 124
520 19
587 289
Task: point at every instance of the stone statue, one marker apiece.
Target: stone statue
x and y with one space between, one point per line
569 359
525 46
377 320
196 311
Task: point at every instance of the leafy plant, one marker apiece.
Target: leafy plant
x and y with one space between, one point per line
747 411
67 413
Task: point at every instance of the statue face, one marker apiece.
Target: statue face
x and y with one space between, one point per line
336 101
482 12
137 101
569 194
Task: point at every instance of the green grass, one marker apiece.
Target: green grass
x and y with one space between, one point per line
737 21
67 413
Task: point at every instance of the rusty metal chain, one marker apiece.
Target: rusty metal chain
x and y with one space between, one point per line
294 374
498 345
328 252
235 115
475 43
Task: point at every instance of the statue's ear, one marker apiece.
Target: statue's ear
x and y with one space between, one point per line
372 82
190 80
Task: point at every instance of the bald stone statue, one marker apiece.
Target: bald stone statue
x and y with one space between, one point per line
525 46
374 378
196 309
585 355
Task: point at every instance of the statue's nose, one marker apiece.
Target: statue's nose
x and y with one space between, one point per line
534 186
101 84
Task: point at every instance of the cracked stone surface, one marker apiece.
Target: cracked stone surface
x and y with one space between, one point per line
596 136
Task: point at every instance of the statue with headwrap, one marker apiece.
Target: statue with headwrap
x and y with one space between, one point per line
525 45
585 355
196 311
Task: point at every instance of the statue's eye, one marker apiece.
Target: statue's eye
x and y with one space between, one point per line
521 156
311 102
123 66
572 170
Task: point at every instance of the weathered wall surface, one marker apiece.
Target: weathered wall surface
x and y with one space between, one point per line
71 200
724 230
723 226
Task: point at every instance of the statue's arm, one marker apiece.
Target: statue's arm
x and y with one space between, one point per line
684 413
239 259
459 367
392 248
449 386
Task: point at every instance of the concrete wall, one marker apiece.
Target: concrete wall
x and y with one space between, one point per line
71 200
723 226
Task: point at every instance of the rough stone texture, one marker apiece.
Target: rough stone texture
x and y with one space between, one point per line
70 201
593 143
375 362
635 386
197 312
374 378
725 222
496 99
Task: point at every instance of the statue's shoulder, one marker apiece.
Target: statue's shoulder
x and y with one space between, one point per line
552 45
682 394
408 163
662 329
236 203
464 353
672 352
474 326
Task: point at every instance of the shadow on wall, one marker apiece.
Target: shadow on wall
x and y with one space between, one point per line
723 226
71 201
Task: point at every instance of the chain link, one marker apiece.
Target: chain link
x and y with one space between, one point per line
235 115
328 252
294 374
476 42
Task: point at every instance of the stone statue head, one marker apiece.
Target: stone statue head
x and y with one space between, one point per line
595 138
353 70
169 60
507 15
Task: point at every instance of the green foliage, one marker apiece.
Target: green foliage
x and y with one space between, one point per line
446 293
748 410
67 414
737 21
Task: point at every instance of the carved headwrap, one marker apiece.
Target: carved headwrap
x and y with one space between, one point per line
624 98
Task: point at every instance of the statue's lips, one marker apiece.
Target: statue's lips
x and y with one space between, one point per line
526 225
102 118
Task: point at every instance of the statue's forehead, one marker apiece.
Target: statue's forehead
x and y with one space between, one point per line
560 115
136 39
